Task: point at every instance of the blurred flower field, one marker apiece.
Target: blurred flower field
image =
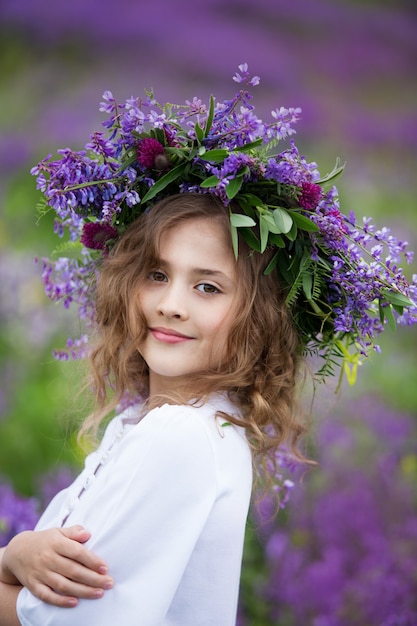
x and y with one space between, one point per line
344 550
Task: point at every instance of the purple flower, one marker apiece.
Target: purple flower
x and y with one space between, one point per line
101 146
16 513
245 77
347 553
285 118
19 513
291 168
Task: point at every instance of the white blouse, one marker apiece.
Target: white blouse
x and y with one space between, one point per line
166 501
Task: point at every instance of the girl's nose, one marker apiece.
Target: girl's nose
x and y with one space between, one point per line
173 303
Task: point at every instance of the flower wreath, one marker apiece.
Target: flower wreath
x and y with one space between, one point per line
343 282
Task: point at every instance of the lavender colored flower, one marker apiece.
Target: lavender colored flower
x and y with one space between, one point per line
285 118
245 77
19 513
347 553
16 513
101 146
291 168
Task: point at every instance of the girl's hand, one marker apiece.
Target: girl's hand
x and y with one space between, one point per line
55 566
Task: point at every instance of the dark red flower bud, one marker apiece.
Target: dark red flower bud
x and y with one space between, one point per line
96 235
148 150
310 195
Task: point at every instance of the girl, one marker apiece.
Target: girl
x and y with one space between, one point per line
220 266
209 342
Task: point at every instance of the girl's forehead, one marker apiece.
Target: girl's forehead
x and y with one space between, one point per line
195 229
198 243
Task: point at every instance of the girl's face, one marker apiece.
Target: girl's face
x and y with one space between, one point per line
189 301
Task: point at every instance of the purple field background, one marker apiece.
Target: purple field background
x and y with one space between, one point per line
351 66
344 552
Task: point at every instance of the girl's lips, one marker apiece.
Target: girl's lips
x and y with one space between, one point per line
168 336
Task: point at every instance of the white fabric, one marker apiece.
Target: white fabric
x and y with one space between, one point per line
167 510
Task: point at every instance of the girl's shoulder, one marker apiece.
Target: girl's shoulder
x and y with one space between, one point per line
205 422
209 417
192 436
212 410
196 419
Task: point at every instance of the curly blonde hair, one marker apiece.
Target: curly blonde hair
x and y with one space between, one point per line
261 370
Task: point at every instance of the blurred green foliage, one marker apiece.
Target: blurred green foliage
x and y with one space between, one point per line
39 407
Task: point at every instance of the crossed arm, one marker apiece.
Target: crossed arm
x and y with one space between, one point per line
54 565
8 597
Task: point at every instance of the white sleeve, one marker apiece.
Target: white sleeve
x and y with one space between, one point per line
145 519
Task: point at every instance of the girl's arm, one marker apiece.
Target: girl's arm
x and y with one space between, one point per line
146 518
55 566
8 597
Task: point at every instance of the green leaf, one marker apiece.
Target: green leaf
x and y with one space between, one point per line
233 187
159 134
238 220
268 218
129 161
397 298
336 171
163 182
249 146
381 312
292 234
246 207
211 181
215 155
235 240
42 208
264 231
307 281
283 220
398 309
294 275
304 223
251 199
272 264
317 310
250 238
389 316
70 249
277 240
178 154
199 133
210 116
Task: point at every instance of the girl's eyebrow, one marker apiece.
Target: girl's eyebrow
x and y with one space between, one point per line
200 271
209 272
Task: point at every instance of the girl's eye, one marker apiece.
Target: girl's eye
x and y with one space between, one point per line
157 277
207 288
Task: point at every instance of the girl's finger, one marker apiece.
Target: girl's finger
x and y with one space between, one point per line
80 554
49 596
79 573
64 587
